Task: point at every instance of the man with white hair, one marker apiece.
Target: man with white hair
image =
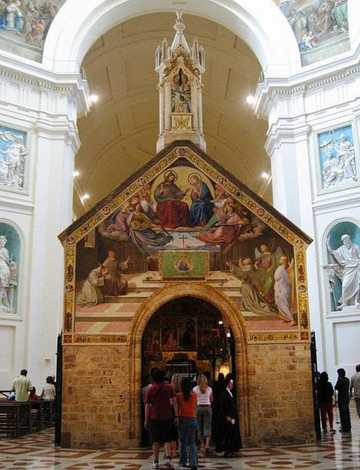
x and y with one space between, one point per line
348 257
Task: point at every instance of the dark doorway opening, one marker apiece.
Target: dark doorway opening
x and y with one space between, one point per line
188 336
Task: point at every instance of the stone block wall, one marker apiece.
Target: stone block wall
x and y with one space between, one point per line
96 397
280 394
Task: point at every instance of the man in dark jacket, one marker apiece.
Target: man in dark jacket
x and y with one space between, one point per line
343 388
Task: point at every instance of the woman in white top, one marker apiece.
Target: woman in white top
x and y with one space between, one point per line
204 412
48 391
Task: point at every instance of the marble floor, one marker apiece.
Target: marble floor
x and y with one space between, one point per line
333 452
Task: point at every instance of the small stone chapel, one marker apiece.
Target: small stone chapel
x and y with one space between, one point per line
183 267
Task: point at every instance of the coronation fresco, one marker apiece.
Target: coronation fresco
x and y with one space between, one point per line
321 27
24 25
183 221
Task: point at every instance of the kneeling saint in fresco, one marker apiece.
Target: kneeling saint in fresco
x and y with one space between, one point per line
91 292
201 208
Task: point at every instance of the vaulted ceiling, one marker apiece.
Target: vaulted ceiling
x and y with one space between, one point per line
119 134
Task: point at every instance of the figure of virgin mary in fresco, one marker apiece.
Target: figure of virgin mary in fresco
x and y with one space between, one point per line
171 210
201 208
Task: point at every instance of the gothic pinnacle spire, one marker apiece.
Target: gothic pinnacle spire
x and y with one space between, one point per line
179 39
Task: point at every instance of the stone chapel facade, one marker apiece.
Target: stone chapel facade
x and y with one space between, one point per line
180 228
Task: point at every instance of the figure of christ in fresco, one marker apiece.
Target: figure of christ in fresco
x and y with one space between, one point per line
251 299
115 282
201 208
91 292
265 265
141 232
283 290
227 229
171 210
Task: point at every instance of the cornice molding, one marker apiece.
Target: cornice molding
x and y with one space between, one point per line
73 86
270 89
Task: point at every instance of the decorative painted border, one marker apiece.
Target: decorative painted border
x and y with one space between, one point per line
71 239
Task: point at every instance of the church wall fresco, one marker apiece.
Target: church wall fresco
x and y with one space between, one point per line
339 167
321 27
24 25
9 266
182 210
13 159
342 271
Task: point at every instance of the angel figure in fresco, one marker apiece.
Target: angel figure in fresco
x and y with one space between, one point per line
118 228
201 208
142 233
227 229
115 282
91 292
171 210
265 264
251 299
283 290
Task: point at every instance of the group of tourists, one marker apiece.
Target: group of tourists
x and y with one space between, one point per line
345 389
180 414
23 390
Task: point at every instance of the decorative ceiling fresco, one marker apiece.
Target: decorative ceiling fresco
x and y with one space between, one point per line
321 27
24 25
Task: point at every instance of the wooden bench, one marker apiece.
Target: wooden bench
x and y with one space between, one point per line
15 418
20 418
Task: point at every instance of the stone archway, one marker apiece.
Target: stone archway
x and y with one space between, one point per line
229 313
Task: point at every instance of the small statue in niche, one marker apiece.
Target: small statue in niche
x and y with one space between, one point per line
181 94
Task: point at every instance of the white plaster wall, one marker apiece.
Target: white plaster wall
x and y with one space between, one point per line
297 113
46 113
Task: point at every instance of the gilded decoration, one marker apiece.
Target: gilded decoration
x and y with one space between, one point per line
123 266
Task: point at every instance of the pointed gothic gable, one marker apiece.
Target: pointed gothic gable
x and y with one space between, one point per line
183 218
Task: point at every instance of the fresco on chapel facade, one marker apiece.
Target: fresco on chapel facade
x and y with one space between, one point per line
182 223
9 265
13 156
321 27
338 163
24 25
343 272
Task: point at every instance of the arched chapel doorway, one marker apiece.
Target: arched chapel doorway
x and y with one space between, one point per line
188 331
187 336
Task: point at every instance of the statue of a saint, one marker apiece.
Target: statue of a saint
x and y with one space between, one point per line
7 278
347 256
